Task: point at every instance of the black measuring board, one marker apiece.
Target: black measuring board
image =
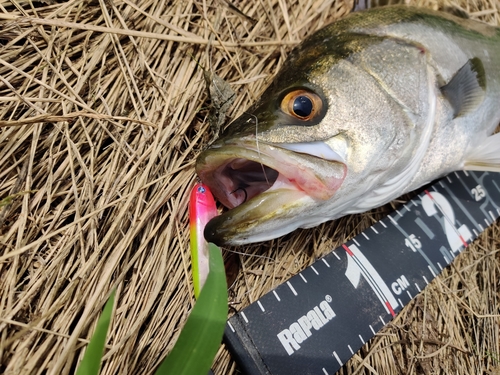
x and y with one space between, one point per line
314 322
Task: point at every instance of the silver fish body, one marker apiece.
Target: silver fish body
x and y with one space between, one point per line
364 110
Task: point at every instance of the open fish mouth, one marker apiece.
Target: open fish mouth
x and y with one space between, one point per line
241 179
262 184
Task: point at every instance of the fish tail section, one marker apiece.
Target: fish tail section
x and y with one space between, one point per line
485 157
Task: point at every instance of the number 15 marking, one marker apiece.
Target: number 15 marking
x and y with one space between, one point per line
413 243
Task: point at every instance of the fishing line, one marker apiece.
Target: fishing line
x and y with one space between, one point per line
257 144
251 255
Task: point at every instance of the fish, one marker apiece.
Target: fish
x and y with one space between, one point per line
370 107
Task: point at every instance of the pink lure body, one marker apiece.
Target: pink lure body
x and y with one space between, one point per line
202 209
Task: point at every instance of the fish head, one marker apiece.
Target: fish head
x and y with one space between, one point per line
327 130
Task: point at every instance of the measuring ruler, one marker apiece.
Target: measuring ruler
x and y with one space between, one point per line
315 322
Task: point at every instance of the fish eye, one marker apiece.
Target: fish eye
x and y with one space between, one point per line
301 104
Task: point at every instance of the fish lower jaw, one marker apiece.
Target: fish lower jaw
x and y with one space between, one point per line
259 219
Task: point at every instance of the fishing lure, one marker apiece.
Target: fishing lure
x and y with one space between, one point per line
202 209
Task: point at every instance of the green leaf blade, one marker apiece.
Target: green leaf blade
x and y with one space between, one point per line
91 362
201 336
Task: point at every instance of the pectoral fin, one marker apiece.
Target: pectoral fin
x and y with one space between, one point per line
485 157
467 88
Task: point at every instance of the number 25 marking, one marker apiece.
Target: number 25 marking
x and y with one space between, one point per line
456 237
478 193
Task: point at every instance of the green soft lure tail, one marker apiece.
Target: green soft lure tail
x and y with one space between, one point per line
202 208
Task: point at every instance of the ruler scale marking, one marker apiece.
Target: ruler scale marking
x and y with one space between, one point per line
320 319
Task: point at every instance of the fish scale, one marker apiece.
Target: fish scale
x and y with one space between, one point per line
314 322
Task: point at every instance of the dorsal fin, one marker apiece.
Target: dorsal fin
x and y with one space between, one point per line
456 11
466 89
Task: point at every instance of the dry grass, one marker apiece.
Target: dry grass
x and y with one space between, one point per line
103 111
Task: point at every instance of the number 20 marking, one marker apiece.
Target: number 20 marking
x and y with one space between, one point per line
456 237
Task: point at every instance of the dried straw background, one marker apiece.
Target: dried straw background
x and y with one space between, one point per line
103 111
